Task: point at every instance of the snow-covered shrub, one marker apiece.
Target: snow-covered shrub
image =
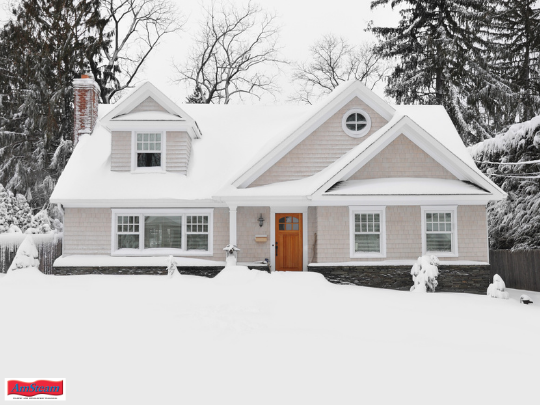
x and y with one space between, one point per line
26 255
497 288
40 223
14 229
424 273
4 219
525 299
21 213
171 266
231 254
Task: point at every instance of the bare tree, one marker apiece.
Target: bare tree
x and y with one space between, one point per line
332 61
134 28
234 53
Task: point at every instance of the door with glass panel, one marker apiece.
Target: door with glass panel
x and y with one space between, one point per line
288 245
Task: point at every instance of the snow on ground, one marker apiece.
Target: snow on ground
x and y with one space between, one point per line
249 337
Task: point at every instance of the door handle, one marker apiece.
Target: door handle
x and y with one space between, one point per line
276 248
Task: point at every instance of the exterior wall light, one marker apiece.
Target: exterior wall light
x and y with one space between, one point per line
261 220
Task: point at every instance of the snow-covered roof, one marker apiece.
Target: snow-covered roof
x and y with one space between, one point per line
235 137
232 134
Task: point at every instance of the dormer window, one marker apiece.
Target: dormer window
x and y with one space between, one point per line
149 149
356 123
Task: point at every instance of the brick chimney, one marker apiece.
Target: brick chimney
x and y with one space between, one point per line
86 94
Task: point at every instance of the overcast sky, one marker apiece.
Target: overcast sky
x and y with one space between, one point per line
302 21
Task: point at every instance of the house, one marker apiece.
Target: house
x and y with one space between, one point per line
352 187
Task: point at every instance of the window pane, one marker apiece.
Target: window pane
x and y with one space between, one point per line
352 127
162 232
448 227
197 242
145 137
289 227
377 227
360 127
128 241
281 227
158 137
295 227
428 217
448 217
295 219
429 227
351 118
364 227
439 242
139 137
148 159
367 243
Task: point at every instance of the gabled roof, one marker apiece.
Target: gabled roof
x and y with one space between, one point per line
442 143
122 115
284 142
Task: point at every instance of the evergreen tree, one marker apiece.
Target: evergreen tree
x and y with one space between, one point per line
515 29
42 48
4 221
440 47
512 161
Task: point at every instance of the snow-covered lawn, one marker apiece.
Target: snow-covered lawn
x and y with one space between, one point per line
248 337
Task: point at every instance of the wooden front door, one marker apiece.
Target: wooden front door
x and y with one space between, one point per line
289 242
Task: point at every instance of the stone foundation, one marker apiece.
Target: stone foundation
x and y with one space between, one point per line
452 278
204 271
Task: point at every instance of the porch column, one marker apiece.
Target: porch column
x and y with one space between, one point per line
232 225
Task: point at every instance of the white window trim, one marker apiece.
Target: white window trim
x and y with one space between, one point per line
162 251
361 210
441 208
356 134
160 169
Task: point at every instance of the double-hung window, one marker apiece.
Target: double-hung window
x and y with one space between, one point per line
439 231
148 150
367 232
162 232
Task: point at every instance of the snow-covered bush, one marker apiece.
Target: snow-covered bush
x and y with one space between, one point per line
497 288
40 223
14 229
171 267
4 220
424 273
231 254
26 255
14 211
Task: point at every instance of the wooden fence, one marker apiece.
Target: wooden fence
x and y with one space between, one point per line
519 269
49 249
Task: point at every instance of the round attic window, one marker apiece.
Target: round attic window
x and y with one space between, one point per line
356 123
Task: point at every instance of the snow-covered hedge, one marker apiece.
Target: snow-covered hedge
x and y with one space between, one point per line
424 273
